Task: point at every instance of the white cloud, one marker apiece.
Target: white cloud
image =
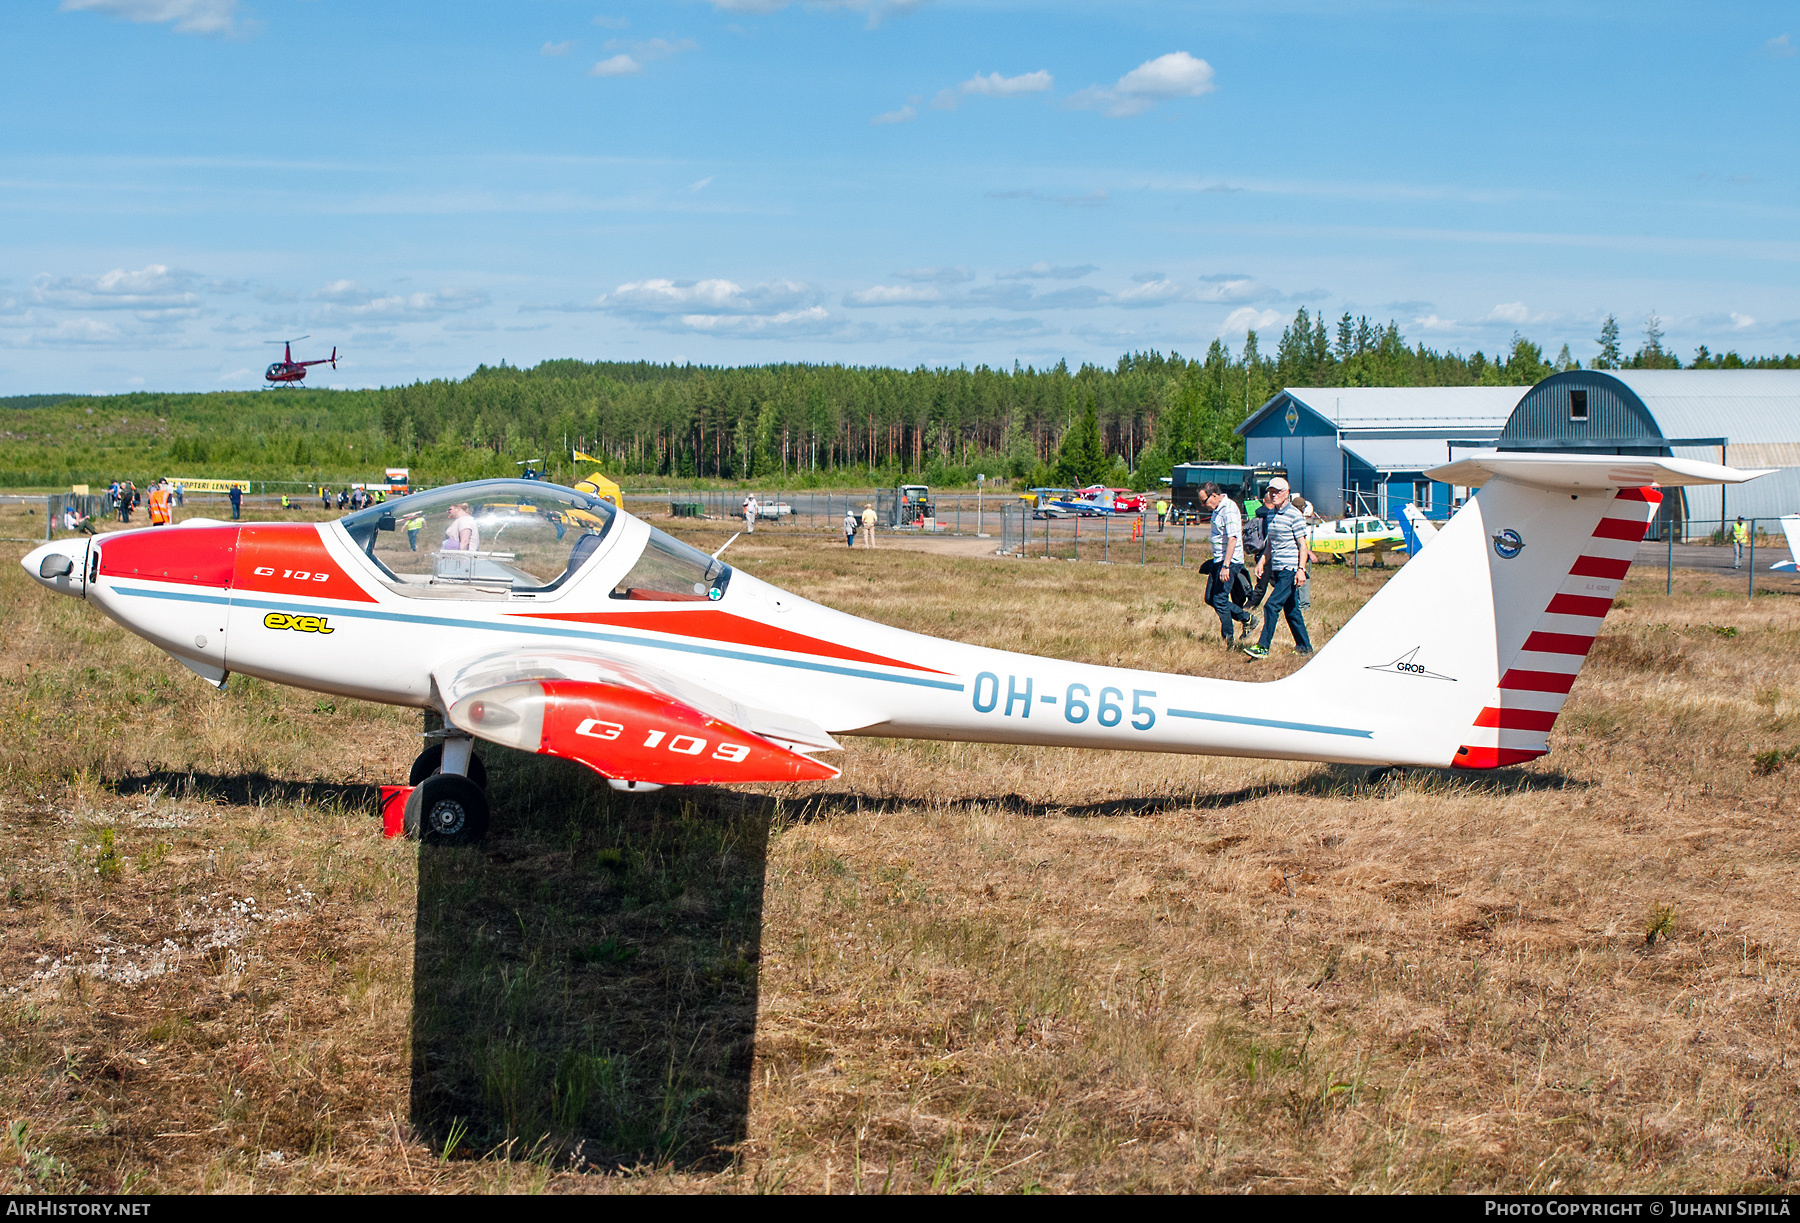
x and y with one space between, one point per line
555 48
994 85
810 321
1431 322
940 276
77 331
1158 292
905 114
1249 318
618 65
1741 321
892 295
1233 289
702 185
633 55
612 23
1780 47
347 301
1510 312
1045 271
1175 75
716 296
188 16
155 287
721 307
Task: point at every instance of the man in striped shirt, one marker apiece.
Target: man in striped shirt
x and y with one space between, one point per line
1287 558
1228 557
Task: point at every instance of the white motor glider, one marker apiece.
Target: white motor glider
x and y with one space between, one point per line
546 620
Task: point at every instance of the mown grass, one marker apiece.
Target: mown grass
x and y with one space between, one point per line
956 968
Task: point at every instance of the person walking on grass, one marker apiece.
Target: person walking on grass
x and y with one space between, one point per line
1162 514
751 509
849 527
1289 557
1228 560
1256 547
1740 535
868 522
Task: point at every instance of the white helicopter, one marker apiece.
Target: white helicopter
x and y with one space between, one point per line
547 620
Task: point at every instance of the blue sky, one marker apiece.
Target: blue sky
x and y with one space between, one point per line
433 186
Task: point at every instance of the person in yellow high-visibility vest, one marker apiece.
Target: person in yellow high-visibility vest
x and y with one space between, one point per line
1740 535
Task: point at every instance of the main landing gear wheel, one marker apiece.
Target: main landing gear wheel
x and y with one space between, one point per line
432 759
447 809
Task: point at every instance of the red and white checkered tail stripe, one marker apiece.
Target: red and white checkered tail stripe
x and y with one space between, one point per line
1515 725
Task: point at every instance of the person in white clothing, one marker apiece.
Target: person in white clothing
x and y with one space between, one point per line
1228 559
750 511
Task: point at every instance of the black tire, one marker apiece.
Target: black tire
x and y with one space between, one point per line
446 809
432 759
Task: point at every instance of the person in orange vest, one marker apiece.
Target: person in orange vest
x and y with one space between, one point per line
161 515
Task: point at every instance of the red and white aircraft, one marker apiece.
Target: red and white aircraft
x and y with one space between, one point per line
544 619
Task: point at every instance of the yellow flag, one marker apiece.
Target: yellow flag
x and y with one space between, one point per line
584 458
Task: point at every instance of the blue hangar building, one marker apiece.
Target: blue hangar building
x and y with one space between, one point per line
1366 449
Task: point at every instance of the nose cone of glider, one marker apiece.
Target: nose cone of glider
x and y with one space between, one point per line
62 566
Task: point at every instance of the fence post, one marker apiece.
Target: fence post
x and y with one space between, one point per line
1669 578
1106 539
1143 540
1752 566
1183 561
49 512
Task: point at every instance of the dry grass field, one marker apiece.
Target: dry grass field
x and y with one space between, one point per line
957 968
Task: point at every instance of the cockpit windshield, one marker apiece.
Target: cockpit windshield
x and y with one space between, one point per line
489 539
670 571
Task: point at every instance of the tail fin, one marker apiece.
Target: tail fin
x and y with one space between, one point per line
1471 649
1790 526
1418 529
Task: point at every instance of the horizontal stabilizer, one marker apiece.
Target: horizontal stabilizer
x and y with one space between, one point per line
1586 471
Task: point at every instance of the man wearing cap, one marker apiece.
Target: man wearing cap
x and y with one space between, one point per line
1288 557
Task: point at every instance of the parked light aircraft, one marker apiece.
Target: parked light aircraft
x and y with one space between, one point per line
1367 534
548 620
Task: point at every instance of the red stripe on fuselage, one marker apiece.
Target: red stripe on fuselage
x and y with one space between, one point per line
1599 567
1558 643
1579 605
710 624
1622 528
1516 719
192 556
1538 681
289 558
1493 757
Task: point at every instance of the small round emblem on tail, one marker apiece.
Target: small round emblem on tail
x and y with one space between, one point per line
1508 544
